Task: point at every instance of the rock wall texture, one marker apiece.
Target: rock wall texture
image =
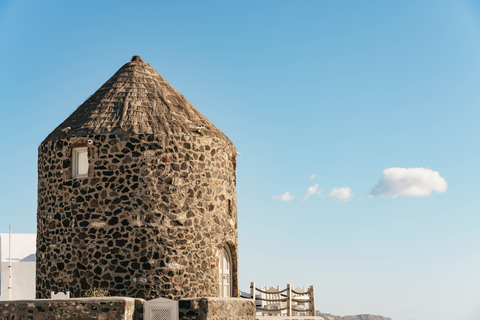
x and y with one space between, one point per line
73 309
118 308
149 221
216 309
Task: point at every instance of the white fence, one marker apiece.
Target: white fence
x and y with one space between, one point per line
284 302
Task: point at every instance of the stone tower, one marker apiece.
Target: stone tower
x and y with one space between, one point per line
137 195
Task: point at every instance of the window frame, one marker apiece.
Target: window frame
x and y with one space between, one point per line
75 162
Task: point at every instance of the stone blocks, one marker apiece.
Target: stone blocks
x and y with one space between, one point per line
149 221
111 308
216 309
117 308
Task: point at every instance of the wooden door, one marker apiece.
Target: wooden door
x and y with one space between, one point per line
225 273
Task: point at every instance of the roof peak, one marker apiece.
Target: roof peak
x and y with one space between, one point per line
136 99
137 58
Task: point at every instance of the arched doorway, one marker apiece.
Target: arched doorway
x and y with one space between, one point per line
225 273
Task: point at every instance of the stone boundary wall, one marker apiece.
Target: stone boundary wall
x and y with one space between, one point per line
119 308
216 309
111 308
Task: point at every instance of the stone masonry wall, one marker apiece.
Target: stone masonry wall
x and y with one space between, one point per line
113 308
216 309
149 221
117 308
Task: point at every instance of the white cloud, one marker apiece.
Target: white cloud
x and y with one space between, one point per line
312 176
284 197
312 190
414 182
342 194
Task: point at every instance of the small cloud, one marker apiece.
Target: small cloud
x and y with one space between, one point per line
342 194
312 190
414 182
312 176
284 197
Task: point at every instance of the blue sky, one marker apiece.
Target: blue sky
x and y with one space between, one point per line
340 89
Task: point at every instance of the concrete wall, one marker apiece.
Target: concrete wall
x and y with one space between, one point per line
23 247
23 280
23 266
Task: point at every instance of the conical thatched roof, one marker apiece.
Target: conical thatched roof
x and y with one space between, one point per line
136 100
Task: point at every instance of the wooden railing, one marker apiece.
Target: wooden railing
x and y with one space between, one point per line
286 302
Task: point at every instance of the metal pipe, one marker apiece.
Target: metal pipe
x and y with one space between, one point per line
10 262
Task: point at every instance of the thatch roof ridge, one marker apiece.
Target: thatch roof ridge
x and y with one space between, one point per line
136 99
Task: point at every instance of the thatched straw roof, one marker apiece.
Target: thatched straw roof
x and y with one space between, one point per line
136 100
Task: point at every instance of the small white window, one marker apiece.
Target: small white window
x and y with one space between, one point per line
80 163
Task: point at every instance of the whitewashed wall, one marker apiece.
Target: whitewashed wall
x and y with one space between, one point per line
23 266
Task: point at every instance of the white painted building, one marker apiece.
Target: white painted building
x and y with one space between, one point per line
23 266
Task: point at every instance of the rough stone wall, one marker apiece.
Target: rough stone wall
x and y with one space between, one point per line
117 308
216 309
73 309
149 221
